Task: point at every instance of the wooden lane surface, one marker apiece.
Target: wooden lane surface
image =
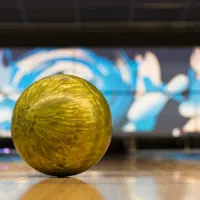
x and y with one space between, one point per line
116 178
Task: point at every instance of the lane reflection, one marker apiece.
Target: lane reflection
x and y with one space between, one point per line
61 188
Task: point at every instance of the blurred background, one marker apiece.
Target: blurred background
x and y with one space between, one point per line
142 55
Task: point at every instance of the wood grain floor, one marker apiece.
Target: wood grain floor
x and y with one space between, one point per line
114 178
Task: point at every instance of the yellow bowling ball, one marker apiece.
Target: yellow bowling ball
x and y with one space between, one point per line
61 125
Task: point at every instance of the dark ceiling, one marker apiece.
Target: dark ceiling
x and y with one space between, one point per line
54 11
78 22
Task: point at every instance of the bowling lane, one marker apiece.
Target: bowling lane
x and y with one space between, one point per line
139 177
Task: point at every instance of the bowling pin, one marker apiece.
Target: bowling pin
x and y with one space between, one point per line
193 125
195 61
152 103
149 68
191 107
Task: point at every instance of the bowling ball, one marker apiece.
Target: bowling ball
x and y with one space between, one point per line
60 189
61 125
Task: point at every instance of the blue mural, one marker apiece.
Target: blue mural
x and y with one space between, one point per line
133 86
190 108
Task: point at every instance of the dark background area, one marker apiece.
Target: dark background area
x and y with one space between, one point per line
45 11
87 22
